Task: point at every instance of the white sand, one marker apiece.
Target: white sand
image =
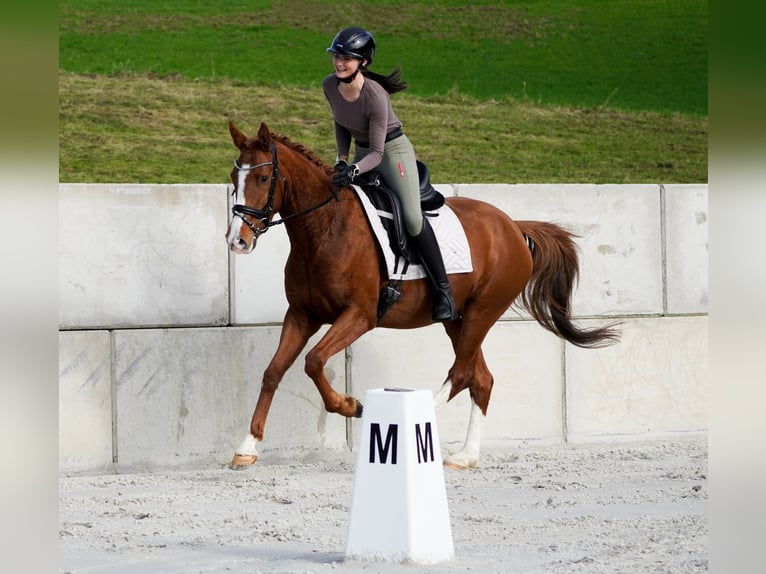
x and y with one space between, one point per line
597 508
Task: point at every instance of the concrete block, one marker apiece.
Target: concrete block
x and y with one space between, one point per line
686 235
654 382
142 255
187 395
258 280
85 400
620 239
526 361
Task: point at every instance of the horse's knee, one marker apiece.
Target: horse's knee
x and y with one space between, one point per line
313 366
270 382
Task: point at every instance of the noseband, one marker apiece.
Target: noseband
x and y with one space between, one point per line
263 215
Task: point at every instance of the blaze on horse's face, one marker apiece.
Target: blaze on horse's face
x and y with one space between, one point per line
251 178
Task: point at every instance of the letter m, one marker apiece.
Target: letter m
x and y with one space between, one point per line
425 443
377 445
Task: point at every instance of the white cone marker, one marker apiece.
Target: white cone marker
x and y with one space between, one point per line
399 508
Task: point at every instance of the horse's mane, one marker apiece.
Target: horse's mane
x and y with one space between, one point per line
303 150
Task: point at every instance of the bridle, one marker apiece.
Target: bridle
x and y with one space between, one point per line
263 215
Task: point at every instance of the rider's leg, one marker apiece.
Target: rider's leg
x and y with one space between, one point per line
400 171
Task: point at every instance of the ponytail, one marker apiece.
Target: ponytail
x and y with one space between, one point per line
392 83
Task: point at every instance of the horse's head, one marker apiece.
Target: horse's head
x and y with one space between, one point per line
257 188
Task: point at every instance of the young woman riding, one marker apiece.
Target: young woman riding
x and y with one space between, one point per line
361 107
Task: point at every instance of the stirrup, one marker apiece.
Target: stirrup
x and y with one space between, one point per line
448 311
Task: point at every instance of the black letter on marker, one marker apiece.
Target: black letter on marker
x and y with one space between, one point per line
376 439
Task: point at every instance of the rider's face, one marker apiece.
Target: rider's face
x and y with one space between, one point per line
344 65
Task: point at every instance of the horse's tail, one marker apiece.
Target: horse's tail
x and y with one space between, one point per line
548 294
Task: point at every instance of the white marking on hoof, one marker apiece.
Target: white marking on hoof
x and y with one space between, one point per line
241 461
461 461
246 454
468 456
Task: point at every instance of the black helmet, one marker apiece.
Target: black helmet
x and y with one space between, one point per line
355 42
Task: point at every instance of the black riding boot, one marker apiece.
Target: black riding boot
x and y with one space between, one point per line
444 306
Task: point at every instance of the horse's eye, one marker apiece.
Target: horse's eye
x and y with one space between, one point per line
264 178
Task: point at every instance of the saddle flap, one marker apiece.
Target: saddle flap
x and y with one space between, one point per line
389 209
386 201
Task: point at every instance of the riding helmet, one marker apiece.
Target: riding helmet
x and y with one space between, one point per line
355 42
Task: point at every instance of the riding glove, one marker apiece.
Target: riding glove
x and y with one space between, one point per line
345 175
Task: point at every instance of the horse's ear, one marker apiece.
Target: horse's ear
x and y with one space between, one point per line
264 136
237 136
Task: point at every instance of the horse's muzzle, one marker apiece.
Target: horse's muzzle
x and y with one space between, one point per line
239 245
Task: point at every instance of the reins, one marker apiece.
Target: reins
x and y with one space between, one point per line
241 211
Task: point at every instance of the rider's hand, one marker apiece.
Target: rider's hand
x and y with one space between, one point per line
340 165
345 175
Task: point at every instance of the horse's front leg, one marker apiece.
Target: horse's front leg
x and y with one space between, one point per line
296 332
346 329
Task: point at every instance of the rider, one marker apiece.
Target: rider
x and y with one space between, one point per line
361 108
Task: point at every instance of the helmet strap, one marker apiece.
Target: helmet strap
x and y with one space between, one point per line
350 79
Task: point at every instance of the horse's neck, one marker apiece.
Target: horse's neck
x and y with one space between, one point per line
311 222
332 218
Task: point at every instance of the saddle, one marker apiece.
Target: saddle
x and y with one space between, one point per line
389 208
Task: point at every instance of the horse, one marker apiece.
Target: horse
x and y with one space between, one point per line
334 274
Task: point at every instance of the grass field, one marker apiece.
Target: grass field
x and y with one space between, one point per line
524 91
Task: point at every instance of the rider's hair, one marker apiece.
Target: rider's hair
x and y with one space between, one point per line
392 83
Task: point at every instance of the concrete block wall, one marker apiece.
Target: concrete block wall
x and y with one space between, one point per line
164 334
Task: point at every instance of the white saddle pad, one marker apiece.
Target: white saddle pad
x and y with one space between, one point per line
449 233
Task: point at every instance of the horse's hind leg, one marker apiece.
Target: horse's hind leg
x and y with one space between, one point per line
470 372
479 387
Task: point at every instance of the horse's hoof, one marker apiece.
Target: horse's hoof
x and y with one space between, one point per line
241 461
460 461
359 409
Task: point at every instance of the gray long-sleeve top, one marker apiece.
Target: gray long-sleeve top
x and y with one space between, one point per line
368 119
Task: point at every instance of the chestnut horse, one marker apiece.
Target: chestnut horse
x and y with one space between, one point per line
335 272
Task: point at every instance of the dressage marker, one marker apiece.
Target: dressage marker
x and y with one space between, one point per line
399 508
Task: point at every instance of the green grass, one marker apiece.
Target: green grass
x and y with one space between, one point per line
516 91
140 129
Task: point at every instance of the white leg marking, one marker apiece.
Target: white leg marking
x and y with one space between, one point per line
469 456
473 436
441 396
248 446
